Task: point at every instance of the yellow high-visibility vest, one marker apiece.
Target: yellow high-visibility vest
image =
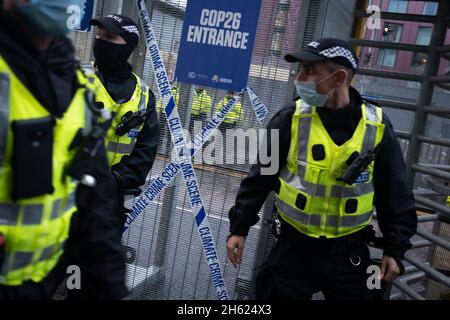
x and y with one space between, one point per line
201 103
119 146
309 195
176 96
36 228
236 115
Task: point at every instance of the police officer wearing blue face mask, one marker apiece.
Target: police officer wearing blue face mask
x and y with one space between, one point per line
49 220
339 158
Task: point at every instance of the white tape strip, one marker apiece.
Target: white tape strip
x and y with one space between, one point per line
184 157
171 170
259 107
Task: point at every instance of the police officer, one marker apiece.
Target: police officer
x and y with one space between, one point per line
132 141
47 221
326 209
234 117
175 94
201 107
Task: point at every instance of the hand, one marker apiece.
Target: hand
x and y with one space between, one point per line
389 269
235 246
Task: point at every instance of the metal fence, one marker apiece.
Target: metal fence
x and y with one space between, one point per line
168 262
416 100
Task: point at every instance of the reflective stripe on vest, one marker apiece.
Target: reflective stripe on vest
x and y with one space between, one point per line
122 148
4 112
318 190
35 229
310 196
314 219
32 214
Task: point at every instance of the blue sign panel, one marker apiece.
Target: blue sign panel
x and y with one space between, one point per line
87 11
217 43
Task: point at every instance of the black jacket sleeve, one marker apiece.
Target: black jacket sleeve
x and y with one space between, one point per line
394 199
97 234
132 170
256 187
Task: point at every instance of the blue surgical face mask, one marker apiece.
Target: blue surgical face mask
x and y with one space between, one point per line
307 90
52 17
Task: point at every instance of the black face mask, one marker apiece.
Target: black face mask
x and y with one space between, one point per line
111 58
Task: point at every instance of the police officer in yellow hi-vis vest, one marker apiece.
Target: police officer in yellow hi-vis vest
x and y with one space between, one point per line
234 117
133 138
176 96
339 158
200 108
48 142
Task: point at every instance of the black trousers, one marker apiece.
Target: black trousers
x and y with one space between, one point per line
223 127
300 266
201 117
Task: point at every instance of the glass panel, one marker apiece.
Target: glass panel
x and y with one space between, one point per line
398 6
419 61
430 8
424 36
392 32
386 57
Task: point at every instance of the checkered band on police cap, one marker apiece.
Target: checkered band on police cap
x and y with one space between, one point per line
339 52
336 50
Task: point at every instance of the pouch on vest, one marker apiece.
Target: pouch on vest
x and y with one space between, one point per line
32 169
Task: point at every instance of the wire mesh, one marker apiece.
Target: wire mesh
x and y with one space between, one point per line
407 31
169 262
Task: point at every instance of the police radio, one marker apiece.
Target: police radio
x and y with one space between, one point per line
129 121
358 164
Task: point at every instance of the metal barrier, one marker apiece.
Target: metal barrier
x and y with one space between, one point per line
426 149
419 271
168 260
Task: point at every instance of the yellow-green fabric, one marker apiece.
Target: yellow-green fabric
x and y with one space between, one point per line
201 103
119 146
310 198
35 229
236 115
176 96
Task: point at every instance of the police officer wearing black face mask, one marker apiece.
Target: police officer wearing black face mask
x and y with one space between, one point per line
132 140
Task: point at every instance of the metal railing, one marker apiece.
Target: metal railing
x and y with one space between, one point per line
419 271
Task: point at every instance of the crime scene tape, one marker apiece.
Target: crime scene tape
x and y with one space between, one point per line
183 157
171 170
259 107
